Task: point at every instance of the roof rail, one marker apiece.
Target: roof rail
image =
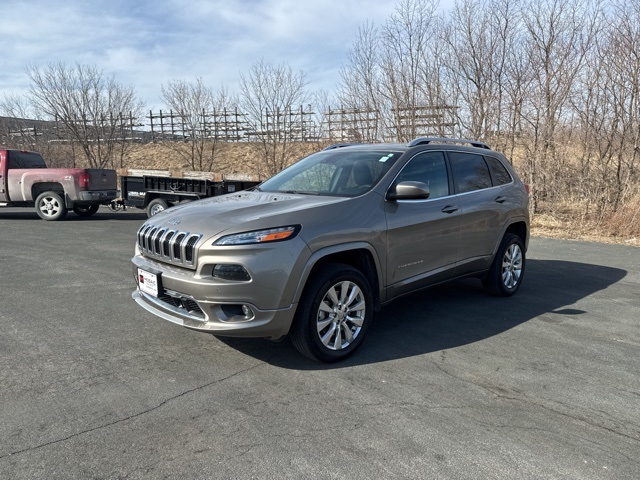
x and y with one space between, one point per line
338 145
426 140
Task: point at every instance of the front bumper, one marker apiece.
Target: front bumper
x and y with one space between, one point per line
198 302
271 324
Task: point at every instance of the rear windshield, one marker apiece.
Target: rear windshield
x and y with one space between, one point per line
25 160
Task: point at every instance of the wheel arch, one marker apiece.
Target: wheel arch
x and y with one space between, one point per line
519 228
361 256
41 187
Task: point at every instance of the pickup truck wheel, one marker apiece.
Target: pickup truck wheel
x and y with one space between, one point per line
85 210
156 206
505 275
51 206
334 314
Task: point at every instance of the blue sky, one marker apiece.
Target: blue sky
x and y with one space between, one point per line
146 44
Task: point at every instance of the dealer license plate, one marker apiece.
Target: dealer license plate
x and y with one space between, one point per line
148 282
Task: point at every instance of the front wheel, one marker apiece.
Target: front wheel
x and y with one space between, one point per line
506 272
51 206
85 210
334 314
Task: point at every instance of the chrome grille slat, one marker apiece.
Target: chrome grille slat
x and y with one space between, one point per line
166 251
171 246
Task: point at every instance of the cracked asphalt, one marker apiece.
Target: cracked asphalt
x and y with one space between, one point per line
449 384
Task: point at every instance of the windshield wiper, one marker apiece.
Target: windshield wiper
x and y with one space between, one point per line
300 192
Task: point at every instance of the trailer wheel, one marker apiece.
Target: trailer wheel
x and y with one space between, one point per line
50 206
156 206
85 210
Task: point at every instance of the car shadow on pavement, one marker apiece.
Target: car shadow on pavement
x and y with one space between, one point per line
455 314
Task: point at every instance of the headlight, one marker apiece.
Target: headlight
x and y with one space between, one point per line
277 234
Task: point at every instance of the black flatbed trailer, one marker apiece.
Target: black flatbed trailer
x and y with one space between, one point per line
157 193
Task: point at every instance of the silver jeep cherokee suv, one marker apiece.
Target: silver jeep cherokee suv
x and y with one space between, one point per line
314 251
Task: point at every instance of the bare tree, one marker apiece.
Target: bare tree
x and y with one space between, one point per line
359 94
608 109
271 96
559 37
405 40
480 37
95 111
16 130
395 71
195 104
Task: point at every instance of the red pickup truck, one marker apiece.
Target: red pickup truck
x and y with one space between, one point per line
25 181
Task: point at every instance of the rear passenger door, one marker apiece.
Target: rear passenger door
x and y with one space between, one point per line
481 212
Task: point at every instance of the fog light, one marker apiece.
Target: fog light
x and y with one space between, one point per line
236 273
236 313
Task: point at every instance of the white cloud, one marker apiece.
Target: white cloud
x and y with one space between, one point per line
148 43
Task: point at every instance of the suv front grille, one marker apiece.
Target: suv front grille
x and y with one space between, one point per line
166 245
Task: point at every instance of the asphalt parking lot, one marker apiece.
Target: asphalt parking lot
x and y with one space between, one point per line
449 384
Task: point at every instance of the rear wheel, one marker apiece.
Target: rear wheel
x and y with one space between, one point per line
51 206
156 206
505 276
334 314
85 210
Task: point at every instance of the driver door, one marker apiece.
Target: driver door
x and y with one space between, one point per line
422 235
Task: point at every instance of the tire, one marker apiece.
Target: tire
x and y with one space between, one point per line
507 270
156 206
85 210
50 206
326 328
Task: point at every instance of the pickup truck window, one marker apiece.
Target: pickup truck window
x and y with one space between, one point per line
25 160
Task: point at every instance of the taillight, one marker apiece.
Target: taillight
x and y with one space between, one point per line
526 187
84 180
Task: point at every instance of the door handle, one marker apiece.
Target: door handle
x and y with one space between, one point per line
501 199
450 209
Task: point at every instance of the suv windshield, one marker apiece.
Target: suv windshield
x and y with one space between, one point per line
340 172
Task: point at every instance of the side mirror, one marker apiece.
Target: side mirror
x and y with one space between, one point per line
409 190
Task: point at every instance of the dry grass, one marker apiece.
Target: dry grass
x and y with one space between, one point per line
230 159
567 221
618 228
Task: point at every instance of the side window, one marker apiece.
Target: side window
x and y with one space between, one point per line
25 160
501 175
470 172
429 168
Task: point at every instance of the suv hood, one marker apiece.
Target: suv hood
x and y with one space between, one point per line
246 210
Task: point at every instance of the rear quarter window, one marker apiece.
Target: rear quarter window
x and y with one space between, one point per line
501 175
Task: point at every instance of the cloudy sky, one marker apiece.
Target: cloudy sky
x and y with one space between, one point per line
147 43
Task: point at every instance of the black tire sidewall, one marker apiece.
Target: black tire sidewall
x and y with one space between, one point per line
153 203
494 280
85 210
304 333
